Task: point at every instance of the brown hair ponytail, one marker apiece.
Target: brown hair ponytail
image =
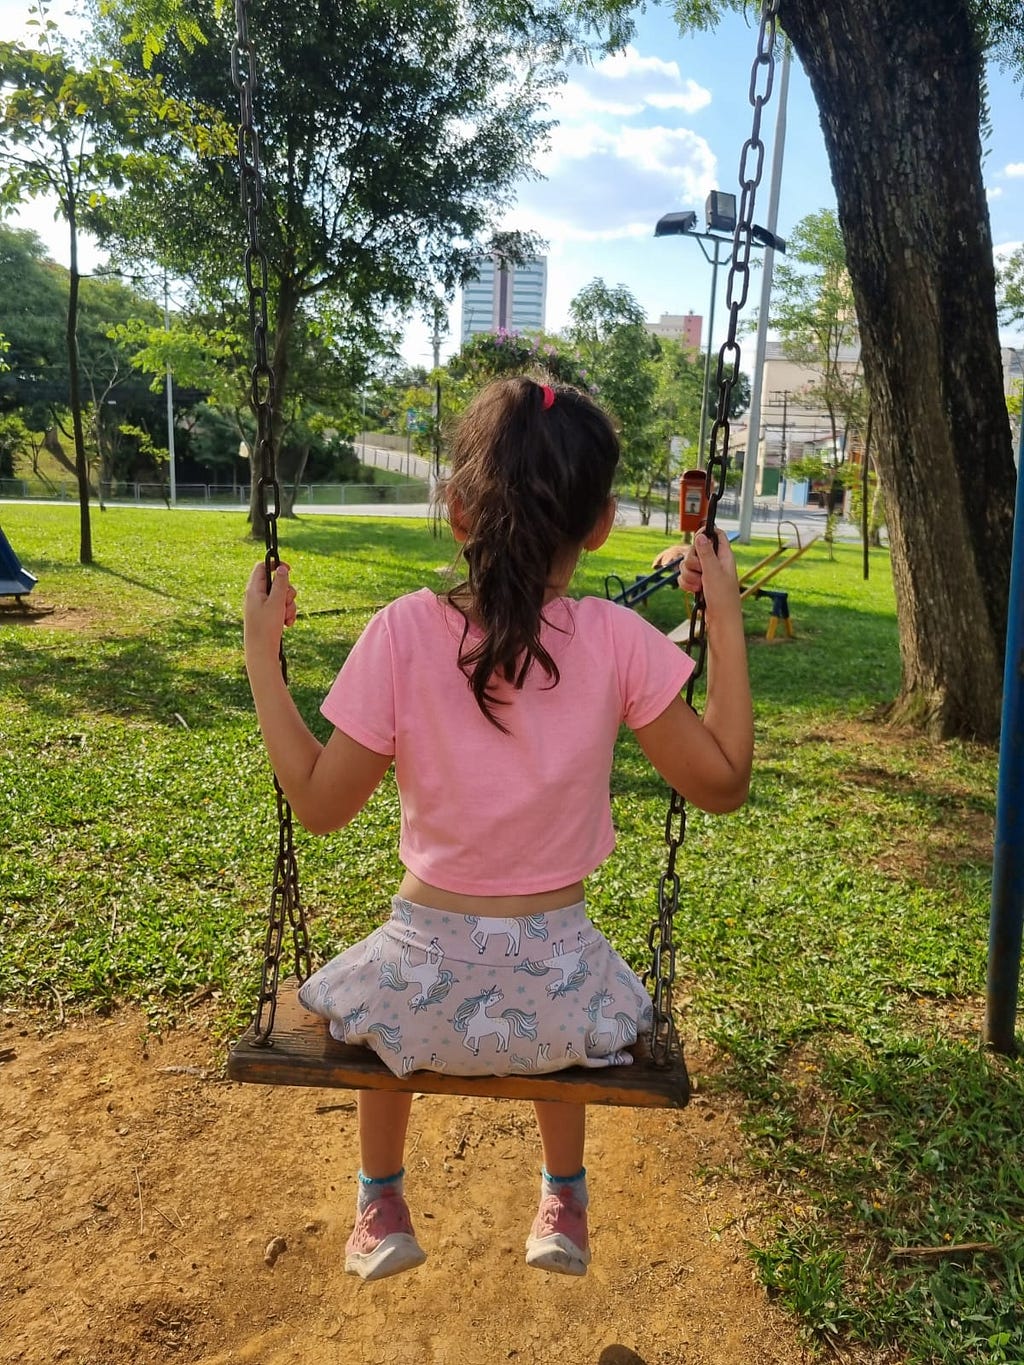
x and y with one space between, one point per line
531 473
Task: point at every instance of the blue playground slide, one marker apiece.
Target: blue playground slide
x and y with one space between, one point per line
14 580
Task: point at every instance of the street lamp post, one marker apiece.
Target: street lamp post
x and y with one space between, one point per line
707 352
439 314
720 211
685 224
761 342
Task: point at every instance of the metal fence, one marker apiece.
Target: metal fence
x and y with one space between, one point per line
762 510
222 495
409 493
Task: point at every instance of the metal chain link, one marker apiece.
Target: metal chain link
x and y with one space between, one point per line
285 901
660 978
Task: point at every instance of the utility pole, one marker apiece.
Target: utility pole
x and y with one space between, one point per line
436 343
784 453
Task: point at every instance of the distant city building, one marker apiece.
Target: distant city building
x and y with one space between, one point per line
505 296
1013 387
684 327
793 423
1013 370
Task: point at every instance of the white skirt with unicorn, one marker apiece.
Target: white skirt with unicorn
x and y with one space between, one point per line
474 996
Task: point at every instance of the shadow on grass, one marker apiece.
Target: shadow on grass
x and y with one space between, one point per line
348 566
97 567
180 671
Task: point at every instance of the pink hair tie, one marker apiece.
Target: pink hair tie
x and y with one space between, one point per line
547 397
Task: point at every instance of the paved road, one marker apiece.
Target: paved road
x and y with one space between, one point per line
792 523
802 522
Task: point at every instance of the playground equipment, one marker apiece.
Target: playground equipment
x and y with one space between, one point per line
784 554
300 1051
633 594
693 500
15 581
753 580
642 587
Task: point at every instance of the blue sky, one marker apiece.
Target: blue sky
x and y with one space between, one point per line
652 130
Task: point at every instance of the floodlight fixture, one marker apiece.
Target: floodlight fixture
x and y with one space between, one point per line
720 211
765 238
671 224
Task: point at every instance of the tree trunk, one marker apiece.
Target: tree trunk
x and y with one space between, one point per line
899 92
287 305
75 400
297 467
876 516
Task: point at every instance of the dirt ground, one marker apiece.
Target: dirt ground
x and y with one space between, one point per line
139 1192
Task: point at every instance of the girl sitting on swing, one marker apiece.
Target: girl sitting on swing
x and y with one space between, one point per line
499 703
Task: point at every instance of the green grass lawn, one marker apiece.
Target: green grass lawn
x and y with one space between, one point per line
831 937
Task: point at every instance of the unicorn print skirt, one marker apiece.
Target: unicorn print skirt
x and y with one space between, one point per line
474 996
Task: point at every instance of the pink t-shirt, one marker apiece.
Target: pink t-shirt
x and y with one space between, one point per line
492 814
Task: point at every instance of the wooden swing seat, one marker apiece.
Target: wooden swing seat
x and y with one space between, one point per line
302 1052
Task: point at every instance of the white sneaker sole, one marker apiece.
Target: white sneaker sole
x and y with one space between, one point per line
394 1254
557 1254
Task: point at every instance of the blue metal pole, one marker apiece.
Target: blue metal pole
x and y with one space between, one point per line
1007 913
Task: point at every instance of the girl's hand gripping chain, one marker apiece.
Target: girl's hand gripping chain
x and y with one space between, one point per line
711 572
267 614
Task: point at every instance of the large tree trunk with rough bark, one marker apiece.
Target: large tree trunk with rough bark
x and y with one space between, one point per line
898 90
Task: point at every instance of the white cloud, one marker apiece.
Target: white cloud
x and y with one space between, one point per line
1014 169
625 84
575 101
15 16
622 65
995 192
621 153
560 232
690 99
603 182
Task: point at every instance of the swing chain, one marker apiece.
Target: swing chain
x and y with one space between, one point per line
661 976
665 1049
728 371
285 901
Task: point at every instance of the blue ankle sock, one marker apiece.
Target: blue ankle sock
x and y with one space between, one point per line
372 1187
576 1185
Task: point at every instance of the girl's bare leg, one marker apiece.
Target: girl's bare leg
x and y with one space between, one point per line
383 1122
382 1242
558 1240
563 1130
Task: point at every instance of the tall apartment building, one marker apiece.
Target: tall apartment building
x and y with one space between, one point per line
509 296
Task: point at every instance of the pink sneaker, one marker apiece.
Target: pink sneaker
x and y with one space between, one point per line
383 1242
558 1240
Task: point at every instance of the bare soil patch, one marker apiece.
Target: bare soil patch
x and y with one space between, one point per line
139 1193
35 612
